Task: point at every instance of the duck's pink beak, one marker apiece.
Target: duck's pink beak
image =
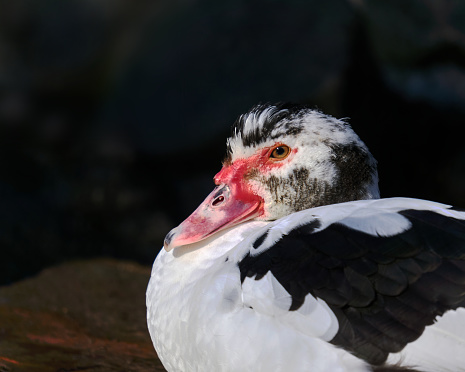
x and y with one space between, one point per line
229 204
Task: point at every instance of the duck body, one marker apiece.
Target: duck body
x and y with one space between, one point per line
342 287
236 337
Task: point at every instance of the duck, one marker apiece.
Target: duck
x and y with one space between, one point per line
294 263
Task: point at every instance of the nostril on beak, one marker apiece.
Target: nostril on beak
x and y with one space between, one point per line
218 201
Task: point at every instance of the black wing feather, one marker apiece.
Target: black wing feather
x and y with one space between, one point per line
383 290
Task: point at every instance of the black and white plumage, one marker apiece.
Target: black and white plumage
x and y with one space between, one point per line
293 263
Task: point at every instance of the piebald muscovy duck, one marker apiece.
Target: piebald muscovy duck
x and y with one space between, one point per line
293 263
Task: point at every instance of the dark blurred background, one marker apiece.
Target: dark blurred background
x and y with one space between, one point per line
114 114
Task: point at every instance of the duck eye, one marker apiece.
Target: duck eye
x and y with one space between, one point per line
280 152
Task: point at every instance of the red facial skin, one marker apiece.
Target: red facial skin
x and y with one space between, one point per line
229 204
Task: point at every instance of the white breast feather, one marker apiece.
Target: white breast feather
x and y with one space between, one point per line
267 296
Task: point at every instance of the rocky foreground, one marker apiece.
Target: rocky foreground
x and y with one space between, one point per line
79 316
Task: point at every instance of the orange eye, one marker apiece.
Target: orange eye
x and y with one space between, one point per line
280 152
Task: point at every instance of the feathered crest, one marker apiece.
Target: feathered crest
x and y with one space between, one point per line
267 121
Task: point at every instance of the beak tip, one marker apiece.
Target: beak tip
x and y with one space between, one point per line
168 239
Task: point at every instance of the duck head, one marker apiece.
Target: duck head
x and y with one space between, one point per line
281 159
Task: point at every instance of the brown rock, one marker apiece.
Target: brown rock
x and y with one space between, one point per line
80 316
